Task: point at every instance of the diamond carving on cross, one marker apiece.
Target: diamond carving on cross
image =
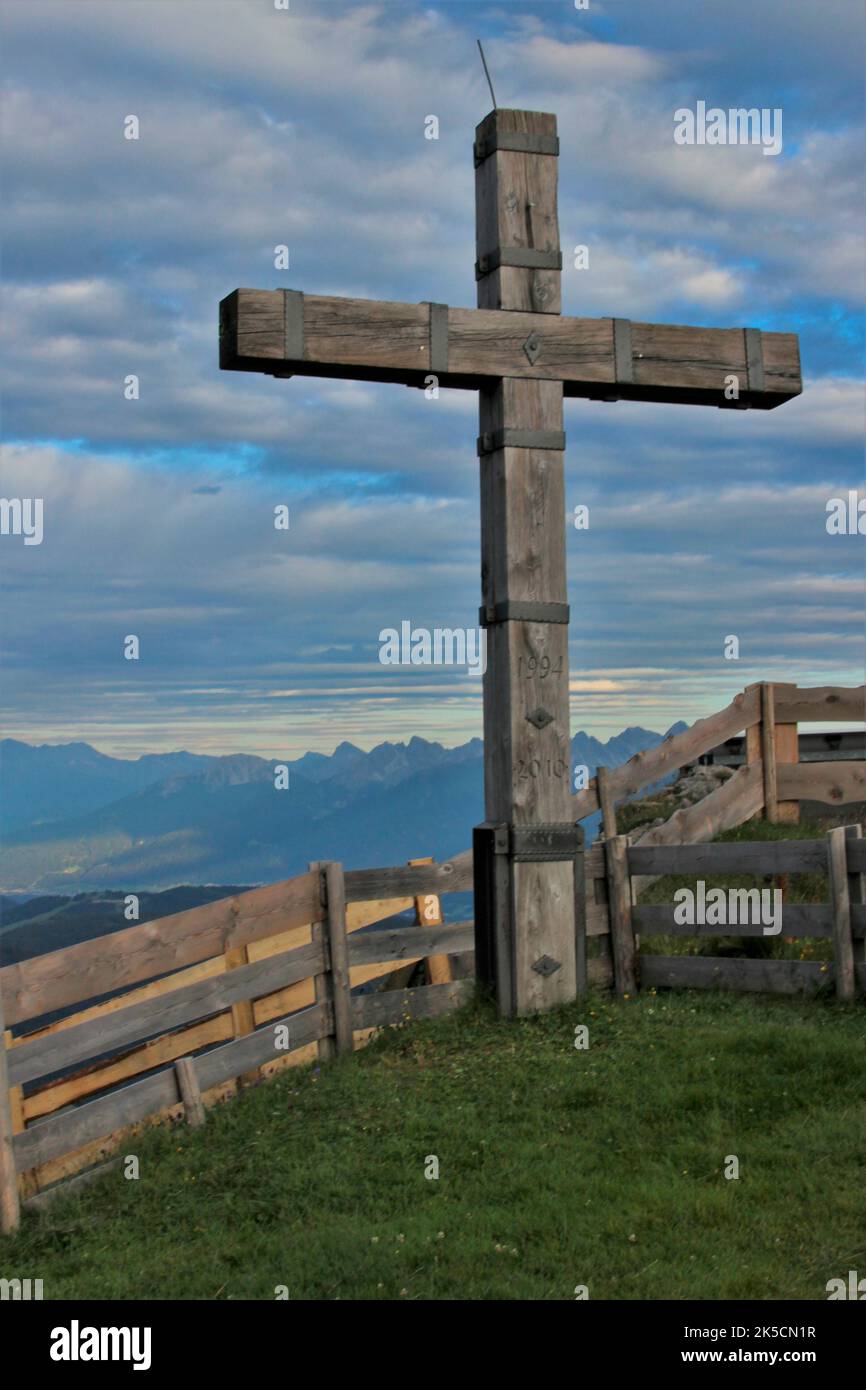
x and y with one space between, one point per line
522 357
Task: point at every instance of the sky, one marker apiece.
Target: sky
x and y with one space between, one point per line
261 127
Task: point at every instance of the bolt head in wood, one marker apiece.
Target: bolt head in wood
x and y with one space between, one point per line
546 965
540 717
532 348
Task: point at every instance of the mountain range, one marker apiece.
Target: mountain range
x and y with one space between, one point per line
73 819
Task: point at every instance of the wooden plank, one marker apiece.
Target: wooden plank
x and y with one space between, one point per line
606 802
798 920
10 1205
83 972
51 1138
715 972
260 1047
840 902
398 1005
824 703
734 857
734 802
41 1200
837 784
322 990
451 877
675 752
53 1052
335 907
428 913
378 340
412 943
621 929
58 1135
190 1092
781 740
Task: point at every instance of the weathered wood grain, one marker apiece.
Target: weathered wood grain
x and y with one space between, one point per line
54 1051
403 881
378 340
798 919
621 927
840 903
108 963
399 1005
338 953
714 972
10 1207
412 943
837 784
189 1091
821 702
735 857
516 206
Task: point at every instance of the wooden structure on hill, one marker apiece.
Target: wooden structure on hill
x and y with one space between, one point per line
215 998
522 357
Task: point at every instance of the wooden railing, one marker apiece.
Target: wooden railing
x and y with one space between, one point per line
245 986
841 856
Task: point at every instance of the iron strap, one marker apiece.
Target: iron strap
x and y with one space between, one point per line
623 363
517 610
520 439
522 257
754 359
518 141
438 337
546 843
293 325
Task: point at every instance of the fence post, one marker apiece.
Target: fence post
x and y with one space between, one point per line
321 982
10 1206
243 1016
774 743
855 885
621 933
190 1091
428 913
840 899
606 803
338 950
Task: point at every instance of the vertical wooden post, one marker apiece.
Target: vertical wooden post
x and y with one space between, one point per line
10 1205
840 899
774 743
527 755
606 803
189 1091
243 1016
856 893
322 983
28 1181
338 949
621 932
428 913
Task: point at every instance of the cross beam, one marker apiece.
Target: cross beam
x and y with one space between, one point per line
522 357
287 333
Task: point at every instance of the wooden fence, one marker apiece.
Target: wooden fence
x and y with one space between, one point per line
213 998
841 856
208 1000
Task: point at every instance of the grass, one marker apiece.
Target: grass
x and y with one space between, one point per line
558 1167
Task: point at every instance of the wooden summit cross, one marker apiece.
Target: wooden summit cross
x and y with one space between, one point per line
522 357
